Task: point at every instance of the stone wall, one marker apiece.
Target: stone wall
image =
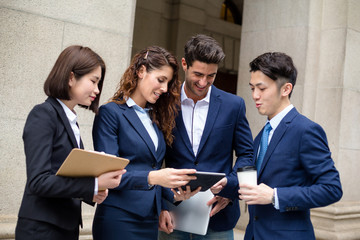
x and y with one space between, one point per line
323 39
32 35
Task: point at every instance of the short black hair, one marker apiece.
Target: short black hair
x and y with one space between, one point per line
277 66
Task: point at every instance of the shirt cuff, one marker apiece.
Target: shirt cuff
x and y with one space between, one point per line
96 189
276 199
150 186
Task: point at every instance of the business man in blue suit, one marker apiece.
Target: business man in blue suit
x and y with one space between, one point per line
295 168
209 128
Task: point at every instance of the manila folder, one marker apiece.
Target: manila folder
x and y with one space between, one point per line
83 163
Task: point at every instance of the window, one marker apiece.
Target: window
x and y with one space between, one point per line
230 11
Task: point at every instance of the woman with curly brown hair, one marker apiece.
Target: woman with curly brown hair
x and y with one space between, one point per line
137 124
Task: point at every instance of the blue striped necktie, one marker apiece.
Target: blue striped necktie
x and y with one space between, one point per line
263 145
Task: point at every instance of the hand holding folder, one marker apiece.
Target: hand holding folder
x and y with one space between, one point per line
83 163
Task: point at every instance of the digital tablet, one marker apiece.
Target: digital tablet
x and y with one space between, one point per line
205 180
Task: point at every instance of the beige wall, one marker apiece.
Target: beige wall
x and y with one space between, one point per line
32 35
324 40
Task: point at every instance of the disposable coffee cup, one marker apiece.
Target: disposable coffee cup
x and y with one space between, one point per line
247 175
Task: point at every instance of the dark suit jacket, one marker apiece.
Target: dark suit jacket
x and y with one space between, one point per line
226 130
48 139
298 163
119 131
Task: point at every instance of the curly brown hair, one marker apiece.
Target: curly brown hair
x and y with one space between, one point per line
164 111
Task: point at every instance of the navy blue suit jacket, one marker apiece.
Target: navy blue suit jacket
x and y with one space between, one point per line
118 130
48 139
298 163
226 130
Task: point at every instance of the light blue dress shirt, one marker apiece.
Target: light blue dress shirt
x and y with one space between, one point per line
144 117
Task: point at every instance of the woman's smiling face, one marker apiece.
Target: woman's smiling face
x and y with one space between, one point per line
151 85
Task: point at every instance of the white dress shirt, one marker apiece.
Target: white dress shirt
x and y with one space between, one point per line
72 120
72 117
194 117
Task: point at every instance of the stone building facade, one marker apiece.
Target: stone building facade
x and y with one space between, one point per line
32 35
322 36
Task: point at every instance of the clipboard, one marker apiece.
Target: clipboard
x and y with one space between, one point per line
205 180
85 163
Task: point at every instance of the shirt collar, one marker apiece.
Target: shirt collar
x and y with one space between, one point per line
131 103
184 97
69 114
275 121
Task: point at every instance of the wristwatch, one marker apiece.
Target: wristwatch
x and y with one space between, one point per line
273 199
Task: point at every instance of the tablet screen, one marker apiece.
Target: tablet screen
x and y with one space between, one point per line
205 180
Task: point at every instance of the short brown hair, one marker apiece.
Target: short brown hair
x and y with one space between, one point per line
80 61
204 49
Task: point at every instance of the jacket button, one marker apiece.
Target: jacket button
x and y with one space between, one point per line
256 218
196 163
153 165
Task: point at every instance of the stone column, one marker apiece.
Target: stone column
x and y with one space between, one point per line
335 107
32 35
323 39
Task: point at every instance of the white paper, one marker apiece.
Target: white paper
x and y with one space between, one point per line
193 215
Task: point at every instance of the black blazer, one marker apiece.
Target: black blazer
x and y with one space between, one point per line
48 139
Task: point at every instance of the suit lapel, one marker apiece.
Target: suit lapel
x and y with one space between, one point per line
161 143
64 119
215 103
256 145
277 136
183 133
134 120
81 144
